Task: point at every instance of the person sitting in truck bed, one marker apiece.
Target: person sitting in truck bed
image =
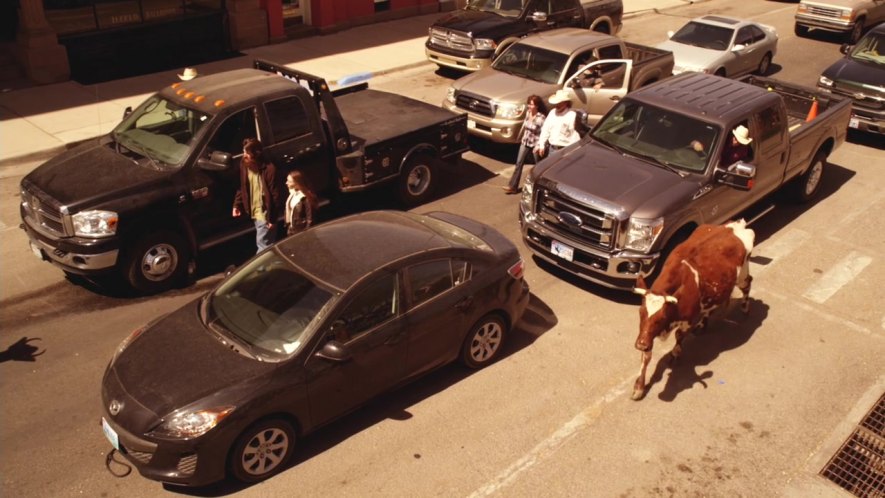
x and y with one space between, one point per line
738 147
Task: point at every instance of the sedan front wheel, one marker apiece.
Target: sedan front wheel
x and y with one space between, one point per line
262 450
483 343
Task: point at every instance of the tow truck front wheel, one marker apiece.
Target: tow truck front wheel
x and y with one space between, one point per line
417 180
157 262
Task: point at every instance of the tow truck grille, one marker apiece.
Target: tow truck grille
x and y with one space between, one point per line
475 103
451 39
588 225
41 212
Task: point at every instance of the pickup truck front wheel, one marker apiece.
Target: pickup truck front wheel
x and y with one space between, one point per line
157 262
807 185
417 180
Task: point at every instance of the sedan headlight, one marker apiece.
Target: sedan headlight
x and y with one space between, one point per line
824 81
641 234
450 95
95 223
189 424
509 111
484 44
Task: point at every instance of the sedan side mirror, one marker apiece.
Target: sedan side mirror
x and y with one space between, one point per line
539 16
334 351
670 34
739 175
218 161
738 47
845 48
127 111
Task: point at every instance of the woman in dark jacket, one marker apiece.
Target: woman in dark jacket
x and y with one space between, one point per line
301 204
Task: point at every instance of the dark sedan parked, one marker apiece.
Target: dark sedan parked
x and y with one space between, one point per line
301 334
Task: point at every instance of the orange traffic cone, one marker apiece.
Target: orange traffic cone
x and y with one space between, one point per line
812 113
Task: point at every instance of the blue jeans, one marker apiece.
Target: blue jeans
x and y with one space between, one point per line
520 161
264 236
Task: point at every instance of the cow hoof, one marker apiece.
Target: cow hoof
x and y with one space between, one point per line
745 307
638 394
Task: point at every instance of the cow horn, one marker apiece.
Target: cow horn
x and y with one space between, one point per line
640 291
671 299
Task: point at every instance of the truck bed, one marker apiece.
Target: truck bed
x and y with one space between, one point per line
642 53
374 116
798 100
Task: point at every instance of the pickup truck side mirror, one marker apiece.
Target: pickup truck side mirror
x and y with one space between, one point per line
218 161
739 175
845 48
539 16
334 351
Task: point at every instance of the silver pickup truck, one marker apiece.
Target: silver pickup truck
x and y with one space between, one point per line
850 17
494 98
609 208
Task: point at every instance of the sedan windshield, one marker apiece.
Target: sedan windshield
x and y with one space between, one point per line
160 130
505 8
531 62
867 50
703 35
667 138
267 305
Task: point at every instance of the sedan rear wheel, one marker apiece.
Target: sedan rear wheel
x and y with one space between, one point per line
262 450
483 343
764 65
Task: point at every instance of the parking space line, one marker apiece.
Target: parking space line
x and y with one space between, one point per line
837 276
779 248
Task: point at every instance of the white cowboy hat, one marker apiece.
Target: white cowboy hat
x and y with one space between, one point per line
742 134
558 97
188 74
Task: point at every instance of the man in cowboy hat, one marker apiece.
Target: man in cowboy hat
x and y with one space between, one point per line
188 74
738 147
559 127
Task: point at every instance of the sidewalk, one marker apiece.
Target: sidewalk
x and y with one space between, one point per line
39 122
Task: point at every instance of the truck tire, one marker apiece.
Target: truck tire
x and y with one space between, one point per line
602 28
417 179
806 186
857 31
156 262
801 31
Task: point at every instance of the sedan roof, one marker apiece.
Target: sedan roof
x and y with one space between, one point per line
343 251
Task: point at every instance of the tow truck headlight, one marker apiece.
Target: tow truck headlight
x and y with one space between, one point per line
450 95
824 81
641 233
95 224
484 44
508 110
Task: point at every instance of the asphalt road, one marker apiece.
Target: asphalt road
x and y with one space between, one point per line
753 408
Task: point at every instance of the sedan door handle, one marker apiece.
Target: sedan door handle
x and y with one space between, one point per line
464 304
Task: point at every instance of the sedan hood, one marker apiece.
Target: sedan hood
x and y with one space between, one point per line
593 172
90 172
870 76
691 58
502 87
172 364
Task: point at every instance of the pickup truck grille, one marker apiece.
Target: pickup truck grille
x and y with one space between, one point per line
824 11
475 103
40 211
863 97
584 224
454 40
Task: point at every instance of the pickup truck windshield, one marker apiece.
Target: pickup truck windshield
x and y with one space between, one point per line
671 139
867 49
505 8
531 62
160 130
703 35
267 305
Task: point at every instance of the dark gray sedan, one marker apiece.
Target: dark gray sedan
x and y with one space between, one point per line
303 333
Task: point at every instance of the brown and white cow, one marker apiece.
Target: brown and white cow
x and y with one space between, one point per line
698 276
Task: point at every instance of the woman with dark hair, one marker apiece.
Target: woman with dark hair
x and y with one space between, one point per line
300 205
259 193
535 113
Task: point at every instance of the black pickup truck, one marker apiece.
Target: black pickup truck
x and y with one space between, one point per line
609 208
144 200
469 39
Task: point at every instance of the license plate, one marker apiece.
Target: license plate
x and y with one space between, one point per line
563 251
110 433
853 123
36 251
471 123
